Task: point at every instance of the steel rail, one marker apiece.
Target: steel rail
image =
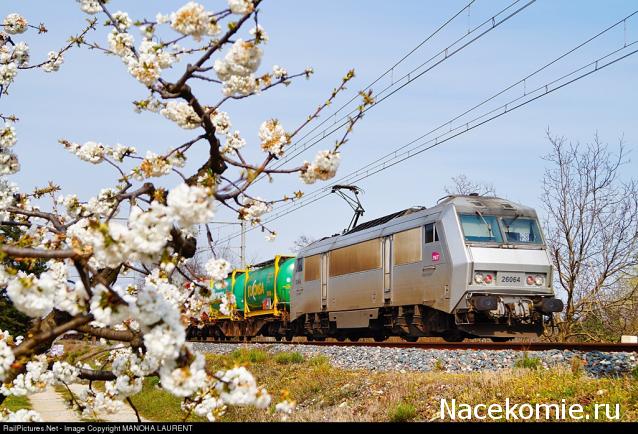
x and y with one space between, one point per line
512 345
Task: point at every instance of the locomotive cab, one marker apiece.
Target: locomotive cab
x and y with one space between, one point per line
502 275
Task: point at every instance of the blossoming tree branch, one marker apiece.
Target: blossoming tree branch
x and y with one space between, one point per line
74 237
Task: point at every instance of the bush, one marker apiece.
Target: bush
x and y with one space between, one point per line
528 362
403 412
288 358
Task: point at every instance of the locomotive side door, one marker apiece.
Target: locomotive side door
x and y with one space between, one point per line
435 265
387 269
324 280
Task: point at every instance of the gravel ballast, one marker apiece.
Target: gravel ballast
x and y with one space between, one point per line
596 363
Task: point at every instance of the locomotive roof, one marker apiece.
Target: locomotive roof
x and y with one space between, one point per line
463 203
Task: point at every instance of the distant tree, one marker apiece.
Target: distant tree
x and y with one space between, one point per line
301 242
462 185
592 233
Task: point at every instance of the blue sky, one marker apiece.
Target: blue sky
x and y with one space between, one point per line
90 98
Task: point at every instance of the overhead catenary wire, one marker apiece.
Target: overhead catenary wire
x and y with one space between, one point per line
396 157
412 75
485 101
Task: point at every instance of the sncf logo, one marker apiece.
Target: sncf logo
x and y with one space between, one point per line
436 256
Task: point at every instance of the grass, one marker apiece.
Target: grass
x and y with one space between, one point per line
527 362
402 412
155 404
245 356
287 358
15 403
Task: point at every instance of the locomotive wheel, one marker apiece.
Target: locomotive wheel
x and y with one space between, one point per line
341 338
379 338
310 338
289 338
354 338
411 338
500 339
278 338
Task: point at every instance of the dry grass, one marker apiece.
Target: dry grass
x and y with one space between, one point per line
326 393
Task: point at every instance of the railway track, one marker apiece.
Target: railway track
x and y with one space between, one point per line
513 345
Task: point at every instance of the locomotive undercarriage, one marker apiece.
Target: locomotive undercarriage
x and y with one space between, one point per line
407 322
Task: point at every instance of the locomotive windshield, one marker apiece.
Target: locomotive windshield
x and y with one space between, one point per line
521 230
479 228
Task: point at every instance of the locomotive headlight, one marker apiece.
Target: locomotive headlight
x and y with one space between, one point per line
530 280
539 280
478 278
488 279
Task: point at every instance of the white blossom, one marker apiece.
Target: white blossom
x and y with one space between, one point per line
210 407
190 205
20 416
14 24
273 137
8 136
30 295
253 209
184 381
221 120
90 6
238 387
21 53
182 114
285 406
241 7
237 68
324 167
109 307
234 142
217 269
122 20
6 356
121 43
94 402
149 230
145 69
54 62
121 151
192 19
35 379
279 72
259 34
90 151
163 342
65 373
8 73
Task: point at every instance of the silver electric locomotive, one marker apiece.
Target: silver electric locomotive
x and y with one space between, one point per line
472 266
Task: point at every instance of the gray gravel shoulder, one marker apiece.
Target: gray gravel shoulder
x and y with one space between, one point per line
595 363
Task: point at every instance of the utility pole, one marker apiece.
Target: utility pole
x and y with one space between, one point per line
242 248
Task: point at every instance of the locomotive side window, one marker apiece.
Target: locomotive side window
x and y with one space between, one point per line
430 233
299 264
312 266
407 246
358 257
